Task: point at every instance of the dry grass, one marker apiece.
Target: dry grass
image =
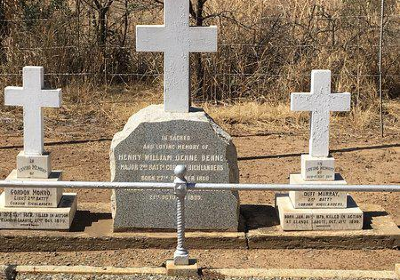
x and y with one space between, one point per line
266 51
266 48
268 117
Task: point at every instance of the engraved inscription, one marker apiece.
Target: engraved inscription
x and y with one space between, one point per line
149 151
164 152
330 221
20 197
321 199
33 166
298 219
319 172
34 220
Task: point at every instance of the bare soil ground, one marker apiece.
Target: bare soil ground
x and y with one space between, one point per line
267 154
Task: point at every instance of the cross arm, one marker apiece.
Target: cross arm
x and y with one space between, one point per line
51 98
340 102
203 39
150 38
13 96
301 101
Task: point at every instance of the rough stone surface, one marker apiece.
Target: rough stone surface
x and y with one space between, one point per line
177 40
33 166
320 102
317 168
152 143
190 270
32 97
39 218
317 199
33 197
350 218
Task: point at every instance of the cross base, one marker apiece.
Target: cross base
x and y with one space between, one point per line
292 219
318 199
39 197
33 166
59 218
317 168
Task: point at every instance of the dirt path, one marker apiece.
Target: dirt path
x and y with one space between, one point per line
291 259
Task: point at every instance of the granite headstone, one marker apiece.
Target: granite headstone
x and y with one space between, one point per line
148 149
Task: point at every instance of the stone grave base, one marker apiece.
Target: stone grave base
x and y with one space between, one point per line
350 218
92 229
39 218
315 199
33 197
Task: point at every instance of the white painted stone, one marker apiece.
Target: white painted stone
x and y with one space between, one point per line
317 168
39 218
293 219
32 97
290 218
33 166
33 197
351 218
320 102
317 199
177 40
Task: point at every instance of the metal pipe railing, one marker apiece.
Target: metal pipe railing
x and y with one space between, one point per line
200 186
181 187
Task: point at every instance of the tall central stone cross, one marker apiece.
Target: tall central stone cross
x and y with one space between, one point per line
177 40
33 98
320 102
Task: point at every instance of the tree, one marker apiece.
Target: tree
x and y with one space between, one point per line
102 7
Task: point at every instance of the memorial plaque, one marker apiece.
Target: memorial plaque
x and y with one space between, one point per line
297 221
38 166
350 218
33 197
317 199
39 218
341 219
317 169
152 144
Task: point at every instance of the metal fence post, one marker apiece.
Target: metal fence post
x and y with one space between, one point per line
181 255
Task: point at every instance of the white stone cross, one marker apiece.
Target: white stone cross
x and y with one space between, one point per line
320 102
33 98
177 40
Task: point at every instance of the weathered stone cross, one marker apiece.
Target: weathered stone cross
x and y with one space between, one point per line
33 98
177 40
320 102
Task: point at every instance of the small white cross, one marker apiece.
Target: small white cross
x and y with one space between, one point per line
33 98
177 40
320 102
